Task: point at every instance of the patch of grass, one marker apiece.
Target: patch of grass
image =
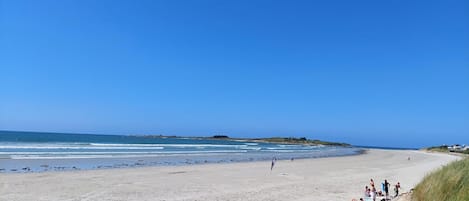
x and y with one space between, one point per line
438 149
450 183
445 149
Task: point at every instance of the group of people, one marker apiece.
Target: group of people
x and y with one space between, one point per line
372 192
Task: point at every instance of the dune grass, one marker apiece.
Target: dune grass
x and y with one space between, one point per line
450 183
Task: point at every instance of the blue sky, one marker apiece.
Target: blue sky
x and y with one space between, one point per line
382 73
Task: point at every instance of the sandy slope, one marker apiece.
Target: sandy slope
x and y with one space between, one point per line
340 178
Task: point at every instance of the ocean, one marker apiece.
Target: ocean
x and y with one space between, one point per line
38 152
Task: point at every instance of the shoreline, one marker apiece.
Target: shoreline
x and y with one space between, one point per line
25 166
151 167
22 152
336 178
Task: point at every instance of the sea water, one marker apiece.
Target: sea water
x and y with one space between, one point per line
36 152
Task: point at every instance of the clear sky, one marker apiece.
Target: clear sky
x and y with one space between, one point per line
378 72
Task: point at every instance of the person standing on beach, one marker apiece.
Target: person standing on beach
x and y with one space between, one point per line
386 187
398 185
273 163
373 192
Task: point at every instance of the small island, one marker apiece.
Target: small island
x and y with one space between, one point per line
278 140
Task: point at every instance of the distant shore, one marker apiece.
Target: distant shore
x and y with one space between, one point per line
320 179
283 140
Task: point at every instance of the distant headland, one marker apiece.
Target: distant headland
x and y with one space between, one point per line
283 140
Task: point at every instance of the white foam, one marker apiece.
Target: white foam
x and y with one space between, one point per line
74 147
68 155
253 148
120 145
287 150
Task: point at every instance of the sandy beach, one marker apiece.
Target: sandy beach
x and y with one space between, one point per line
321 179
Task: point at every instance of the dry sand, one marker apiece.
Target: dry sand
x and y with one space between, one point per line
323 179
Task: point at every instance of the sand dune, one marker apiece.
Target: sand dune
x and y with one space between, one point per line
323 179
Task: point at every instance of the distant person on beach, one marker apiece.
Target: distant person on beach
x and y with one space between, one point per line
372 183
273 163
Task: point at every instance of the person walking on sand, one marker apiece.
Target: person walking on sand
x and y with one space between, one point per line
273 163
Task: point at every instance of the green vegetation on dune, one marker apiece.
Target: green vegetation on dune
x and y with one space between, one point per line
442 148
450 183
445 149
